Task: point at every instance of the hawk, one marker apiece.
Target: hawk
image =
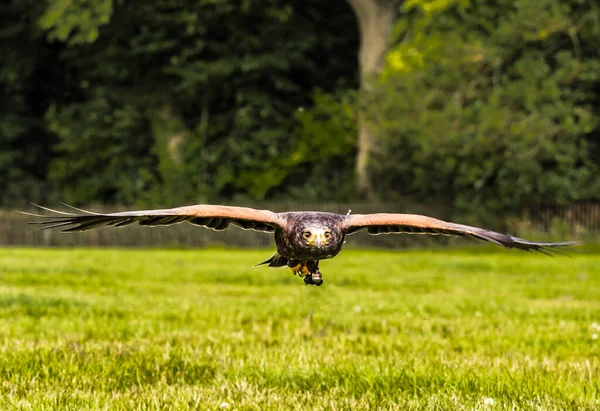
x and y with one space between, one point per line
302 238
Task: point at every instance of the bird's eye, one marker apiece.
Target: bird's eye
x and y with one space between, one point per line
306 234
327 235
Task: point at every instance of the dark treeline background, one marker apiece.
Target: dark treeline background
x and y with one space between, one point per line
480 107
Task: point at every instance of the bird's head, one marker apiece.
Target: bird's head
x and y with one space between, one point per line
317 236
314 234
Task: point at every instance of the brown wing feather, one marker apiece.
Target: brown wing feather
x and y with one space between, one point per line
212 216
418 224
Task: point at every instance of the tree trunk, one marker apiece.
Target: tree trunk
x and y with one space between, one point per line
375 21
173 133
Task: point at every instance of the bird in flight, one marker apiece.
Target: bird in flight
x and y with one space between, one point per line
302 238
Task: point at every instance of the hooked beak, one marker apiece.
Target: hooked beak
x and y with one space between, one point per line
318 239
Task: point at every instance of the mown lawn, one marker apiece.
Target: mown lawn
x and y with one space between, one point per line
201 329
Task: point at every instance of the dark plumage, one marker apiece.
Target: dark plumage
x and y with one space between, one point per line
302 238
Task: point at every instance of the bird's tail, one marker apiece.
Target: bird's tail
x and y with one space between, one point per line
275 261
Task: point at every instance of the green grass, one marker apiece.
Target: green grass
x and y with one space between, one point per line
154 329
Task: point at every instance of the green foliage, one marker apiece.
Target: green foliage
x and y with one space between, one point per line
104 150
75 21
114 329
483 107
28 80
496 112
241 152
189 100
324 145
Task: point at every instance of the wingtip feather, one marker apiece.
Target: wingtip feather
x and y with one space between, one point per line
79 209
51 210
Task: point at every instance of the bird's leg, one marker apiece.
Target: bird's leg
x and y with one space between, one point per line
294 266
309 270
298 267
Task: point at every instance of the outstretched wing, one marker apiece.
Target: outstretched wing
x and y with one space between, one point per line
418 224
212 216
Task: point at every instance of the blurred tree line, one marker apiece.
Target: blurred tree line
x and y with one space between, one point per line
481 106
